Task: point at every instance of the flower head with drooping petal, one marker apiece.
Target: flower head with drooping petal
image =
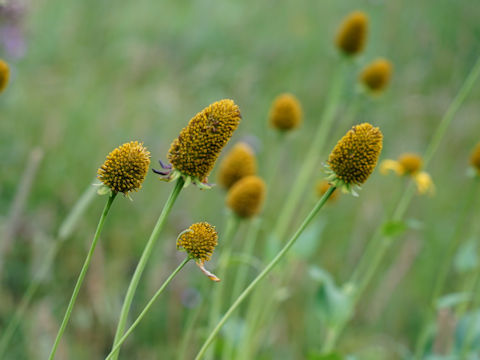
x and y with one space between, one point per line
199 241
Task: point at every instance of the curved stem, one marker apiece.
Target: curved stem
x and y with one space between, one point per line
265 272
81 277
146 309
147 252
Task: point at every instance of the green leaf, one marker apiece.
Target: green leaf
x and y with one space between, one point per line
451 300
466 258
330 356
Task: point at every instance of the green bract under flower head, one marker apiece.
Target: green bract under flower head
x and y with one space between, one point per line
355 156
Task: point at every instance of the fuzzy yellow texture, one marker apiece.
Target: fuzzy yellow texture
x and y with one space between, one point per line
376 75
286 112
200 241
246 196
355 156
199 144
4 75
322 187
125 167
238 163
410 163
352 34
475 158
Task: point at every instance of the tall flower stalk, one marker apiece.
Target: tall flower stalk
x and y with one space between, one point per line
123 171
379 244
192 156
199 241
363 144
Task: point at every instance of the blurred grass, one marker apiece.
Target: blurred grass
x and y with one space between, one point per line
98 73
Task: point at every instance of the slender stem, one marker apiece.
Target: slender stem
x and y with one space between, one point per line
265 271
385 242
81 277
241 279
146 309
441 279
147 252
233 223
470 333
311 159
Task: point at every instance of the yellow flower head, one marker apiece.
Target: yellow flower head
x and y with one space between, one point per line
376 75
355 156
194 153
322 187
238 163
199 241
352 34
285 113
475 158
125 168
246 196
4 75
410 164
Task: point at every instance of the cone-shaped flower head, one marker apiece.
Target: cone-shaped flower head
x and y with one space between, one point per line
4 75
246 196
199 241
322 187
475 159
125 168
352 34
285 113
238 163
376 75
355 156
194 153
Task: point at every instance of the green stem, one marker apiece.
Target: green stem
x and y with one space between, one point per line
146 309
310 161
233 223
470 333
383 243
241 279
147 252
81 277
265 271
441 279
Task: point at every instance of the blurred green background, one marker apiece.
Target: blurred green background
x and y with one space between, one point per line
97 73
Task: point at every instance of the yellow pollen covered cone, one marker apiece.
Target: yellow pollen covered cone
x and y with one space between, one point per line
4 75
376 75
355 156
237 164
199 241
125 168
285 113
352 34
199 144
475 158
246 196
